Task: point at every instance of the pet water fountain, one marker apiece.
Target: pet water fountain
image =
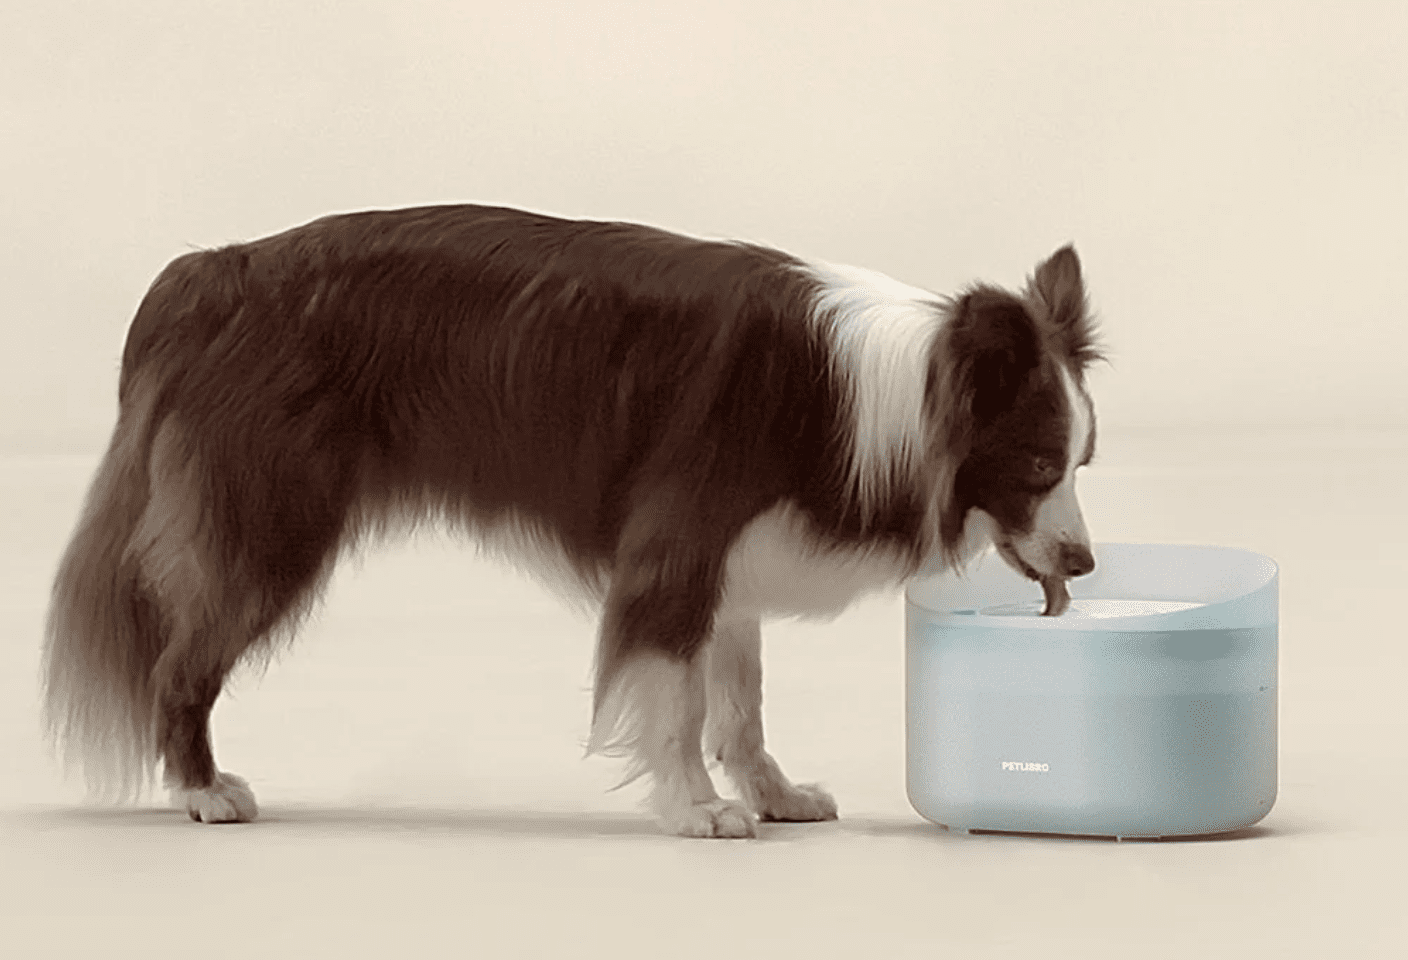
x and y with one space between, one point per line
1146 710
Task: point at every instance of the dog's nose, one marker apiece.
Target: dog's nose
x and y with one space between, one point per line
1076 560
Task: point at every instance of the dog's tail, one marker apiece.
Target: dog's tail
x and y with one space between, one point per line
105 632
102 637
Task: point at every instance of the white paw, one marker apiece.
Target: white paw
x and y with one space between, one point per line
227 800
717 818
801 803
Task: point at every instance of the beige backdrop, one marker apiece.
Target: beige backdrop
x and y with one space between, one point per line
1231 173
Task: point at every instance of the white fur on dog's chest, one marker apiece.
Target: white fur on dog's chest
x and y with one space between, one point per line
778 567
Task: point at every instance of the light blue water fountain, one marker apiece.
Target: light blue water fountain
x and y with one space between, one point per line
1148 709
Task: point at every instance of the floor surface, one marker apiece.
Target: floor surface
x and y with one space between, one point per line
417 757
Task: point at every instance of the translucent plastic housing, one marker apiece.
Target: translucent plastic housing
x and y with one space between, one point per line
1148 709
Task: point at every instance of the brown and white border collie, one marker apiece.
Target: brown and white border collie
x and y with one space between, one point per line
693 435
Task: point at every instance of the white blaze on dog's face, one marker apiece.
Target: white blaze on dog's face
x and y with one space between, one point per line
1056 544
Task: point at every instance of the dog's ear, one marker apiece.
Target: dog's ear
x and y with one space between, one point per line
1057 293
1058 285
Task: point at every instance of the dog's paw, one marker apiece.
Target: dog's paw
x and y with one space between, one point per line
717 818
227 800
800 803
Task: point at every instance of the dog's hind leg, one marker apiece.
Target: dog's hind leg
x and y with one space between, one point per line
184 603
209 795
735 729
222 567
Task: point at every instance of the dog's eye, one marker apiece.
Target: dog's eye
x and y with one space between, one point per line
1045 468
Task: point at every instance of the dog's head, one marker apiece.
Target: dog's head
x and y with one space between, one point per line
1015 422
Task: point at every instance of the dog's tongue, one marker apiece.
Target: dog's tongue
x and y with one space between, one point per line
1058 598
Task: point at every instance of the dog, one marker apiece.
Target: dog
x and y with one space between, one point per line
690 435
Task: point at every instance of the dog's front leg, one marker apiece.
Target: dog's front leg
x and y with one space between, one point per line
735 728
658 706
650 694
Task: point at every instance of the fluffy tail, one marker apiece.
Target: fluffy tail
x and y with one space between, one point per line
103 637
